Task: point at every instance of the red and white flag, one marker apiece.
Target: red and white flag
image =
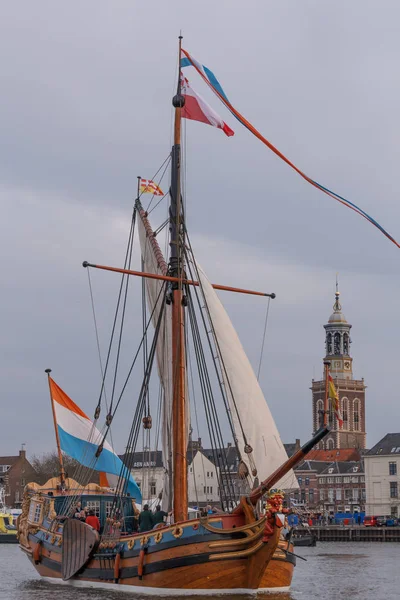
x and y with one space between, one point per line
197 109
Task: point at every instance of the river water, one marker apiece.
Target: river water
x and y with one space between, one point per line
358 571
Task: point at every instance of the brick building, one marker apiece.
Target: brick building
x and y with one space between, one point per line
342 487
15 473
351 391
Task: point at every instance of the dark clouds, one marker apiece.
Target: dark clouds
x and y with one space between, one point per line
85 107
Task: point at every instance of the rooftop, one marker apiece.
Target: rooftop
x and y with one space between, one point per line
341 468
335 455
390 444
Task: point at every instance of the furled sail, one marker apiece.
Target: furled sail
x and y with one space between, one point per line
249 409
154 262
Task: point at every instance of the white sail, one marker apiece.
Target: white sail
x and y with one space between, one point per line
154 263
249 409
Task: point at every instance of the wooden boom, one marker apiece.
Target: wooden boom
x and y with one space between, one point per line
176 280
291 462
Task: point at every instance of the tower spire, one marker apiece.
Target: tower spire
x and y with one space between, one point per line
337 306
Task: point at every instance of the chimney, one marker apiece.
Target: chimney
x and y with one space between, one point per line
298 445
22 454
199 442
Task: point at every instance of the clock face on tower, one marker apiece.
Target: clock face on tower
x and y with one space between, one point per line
347 364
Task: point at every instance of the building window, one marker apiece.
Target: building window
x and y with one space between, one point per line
336 343
393 511
330 479
320 481
337 479
338 494
320 413
311 496
303 496
354 480
362 479
300 480
205 490
208 474
329 344
153 488
210 489
345 412
346 479
330 495
95 506
330 444
356 414
355 494
393 489
321 495
109 505
35 512
212 474
307 481
346 344
363 493
392 468
348 494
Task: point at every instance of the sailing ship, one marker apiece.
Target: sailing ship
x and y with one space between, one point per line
237 550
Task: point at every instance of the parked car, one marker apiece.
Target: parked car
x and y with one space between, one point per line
370 522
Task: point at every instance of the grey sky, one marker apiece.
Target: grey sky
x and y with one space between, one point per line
86 106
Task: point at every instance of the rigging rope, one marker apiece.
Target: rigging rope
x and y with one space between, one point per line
167 160
214 84
263 339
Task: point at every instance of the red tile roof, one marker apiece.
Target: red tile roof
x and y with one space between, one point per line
336 455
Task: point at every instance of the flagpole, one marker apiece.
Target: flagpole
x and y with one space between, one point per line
60 457
327 364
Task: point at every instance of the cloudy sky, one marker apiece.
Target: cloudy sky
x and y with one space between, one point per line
85 107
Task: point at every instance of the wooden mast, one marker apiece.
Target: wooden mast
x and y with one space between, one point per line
180 504
60 456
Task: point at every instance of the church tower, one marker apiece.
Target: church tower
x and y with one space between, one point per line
351 391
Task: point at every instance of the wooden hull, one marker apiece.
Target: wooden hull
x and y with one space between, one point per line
279 572
193 557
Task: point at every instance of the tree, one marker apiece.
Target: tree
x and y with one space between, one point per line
47 466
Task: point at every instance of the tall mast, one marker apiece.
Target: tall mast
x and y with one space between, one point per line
178 320
60 457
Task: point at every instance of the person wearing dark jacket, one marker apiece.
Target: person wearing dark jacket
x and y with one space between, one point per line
159 516
146 519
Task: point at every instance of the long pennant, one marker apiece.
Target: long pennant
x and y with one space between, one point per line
210 79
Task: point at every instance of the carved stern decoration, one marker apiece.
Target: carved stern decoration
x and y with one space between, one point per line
79 541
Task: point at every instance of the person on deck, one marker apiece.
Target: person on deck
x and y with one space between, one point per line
159 516
146 519
93 520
